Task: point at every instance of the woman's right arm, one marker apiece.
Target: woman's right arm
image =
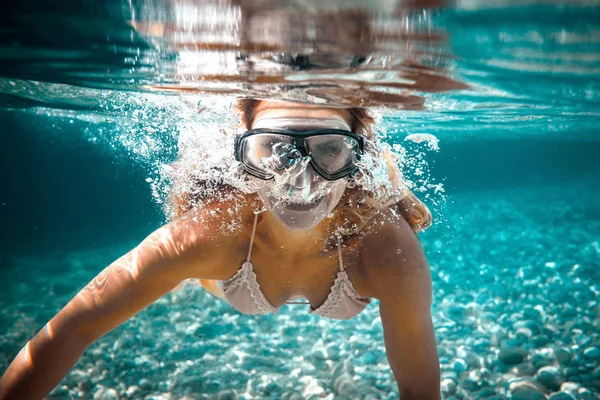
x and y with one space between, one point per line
171 254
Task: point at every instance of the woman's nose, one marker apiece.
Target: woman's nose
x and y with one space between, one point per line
304 178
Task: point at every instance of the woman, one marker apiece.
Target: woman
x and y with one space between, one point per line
310 230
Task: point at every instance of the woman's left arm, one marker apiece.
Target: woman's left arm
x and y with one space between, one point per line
398 275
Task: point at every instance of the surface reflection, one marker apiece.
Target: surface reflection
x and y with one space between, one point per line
336 53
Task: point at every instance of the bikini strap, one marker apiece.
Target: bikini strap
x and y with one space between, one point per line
252 237
340 253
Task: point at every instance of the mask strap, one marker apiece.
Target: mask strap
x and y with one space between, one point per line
340 254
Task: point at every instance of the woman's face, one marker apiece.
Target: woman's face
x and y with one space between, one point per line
298 196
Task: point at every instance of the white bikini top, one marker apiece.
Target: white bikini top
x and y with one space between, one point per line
243 292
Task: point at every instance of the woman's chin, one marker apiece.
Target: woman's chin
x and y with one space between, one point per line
301 216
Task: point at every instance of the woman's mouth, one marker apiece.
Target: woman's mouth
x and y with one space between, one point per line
301 206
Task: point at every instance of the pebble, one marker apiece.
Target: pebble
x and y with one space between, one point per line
449 375
164 386
145 384
192 382
473 360
541 340
479 374
333 351
563 355
448 386
585 394
561 396
320 354
485 393
592 353
132 391
550 377
481 345
460 366
512 356
85 383
526 333
596 378
470 385
292 396
526 324
526 389
570 387
510 343
591 366
106 394
344 385
272 390
370 358
539 360
227 395
524 369
571 371
528 394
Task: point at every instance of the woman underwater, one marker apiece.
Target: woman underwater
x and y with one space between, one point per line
308 230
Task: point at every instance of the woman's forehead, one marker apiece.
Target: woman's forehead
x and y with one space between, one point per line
268 121
280 109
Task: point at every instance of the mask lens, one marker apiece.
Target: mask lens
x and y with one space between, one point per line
332 153
266 153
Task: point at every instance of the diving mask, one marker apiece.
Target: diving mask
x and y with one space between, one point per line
265 152
304 161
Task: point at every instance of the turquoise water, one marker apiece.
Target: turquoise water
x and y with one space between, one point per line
511 93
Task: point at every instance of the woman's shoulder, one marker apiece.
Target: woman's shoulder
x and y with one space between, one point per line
211 235
390 254
213 223
221 218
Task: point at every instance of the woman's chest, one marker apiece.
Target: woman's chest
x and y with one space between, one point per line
284 272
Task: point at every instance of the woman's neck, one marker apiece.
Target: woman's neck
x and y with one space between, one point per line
292 239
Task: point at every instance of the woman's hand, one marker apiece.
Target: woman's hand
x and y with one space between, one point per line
169 255
398 275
